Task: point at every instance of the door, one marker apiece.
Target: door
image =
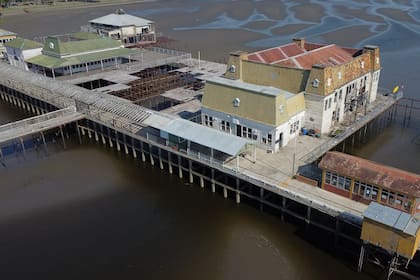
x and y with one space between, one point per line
238 130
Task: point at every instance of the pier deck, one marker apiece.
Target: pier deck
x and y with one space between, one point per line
38 124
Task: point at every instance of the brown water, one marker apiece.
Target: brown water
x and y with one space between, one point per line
89 212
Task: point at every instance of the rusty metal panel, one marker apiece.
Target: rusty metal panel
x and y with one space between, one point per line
372 173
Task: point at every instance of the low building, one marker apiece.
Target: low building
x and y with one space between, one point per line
66 58
391 229
5 36
130 30
19 50
336 81
366 181
266 115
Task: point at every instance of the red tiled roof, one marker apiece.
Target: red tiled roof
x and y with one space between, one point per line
275 54
330 55
372 173
292 55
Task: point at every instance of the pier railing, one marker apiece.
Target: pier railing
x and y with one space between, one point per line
381 104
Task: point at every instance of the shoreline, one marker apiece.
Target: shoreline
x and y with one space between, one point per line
31 9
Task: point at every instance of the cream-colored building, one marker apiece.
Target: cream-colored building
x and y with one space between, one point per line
129 29
19 50
332 82
5 36
264 114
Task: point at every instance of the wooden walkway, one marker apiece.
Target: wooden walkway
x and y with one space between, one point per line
38 124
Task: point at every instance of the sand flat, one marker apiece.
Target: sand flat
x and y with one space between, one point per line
348 36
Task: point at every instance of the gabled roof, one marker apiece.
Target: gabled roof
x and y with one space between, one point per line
56 62
294 56
23 44
6 33
392 218
328 56
53 46
120 19
373 173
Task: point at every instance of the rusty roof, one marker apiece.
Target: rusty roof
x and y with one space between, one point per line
293 56
329 56
275 54
372 173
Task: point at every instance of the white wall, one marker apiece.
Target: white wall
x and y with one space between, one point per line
259 129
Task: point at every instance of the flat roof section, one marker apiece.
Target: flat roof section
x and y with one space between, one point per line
392 218
271 91
205 136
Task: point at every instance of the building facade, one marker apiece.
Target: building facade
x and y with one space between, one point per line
19 50
5 36
268 116
130 30
336 81
366 181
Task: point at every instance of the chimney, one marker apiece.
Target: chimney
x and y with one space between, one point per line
300 42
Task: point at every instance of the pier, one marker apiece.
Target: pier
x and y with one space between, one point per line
233 166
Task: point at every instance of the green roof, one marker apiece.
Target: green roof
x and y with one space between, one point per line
55 62
6 33
55 47
85 35
23 44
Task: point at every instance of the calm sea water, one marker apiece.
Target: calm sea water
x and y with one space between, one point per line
90 212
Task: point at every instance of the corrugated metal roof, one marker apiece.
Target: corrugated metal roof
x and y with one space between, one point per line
57 48
206 136
6 33
329 56
55 62
120 20
272 91
203 135
275 54
373 173
292 55
393 218
23 44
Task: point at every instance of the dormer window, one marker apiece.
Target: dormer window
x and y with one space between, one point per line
236 102
329 80
281 108
340 75
232 69
362 64
315 83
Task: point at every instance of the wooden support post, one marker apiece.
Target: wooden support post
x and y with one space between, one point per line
170 162
337 232
43 141
308 218
261 199
225 194
23 147
213 183
143 156
190 171
134 148
117 142
361 258
62 137
202 182
179 167
152 161
344 145
283 208
160 158
78 132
